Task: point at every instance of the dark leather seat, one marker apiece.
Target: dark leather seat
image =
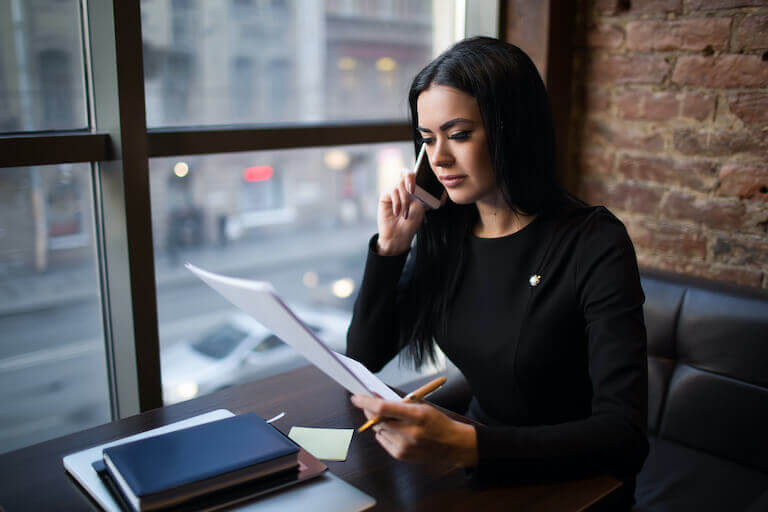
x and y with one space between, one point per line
708 396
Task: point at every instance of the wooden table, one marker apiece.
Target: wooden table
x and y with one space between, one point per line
34 478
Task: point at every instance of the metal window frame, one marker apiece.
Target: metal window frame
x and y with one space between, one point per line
118 145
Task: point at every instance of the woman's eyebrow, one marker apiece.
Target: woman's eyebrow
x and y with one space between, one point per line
447 125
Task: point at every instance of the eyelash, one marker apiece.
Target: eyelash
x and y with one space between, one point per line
463 135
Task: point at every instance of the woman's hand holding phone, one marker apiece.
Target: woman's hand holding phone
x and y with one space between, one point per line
402 209
399 217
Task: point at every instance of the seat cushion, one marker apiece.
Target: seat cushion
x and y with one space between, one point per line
676 478
718 415
725 334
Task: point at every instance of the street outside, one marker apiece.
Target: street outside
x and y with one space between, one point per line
52 364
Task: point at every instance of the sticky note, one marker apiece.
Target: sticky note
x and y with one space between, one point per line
323 443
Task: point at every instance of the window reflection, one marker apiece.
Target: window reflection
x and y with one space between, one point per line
282 61
300 219
41 66
52 363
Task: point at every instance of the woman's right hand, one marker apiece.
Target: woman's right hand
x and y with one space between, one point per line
399 218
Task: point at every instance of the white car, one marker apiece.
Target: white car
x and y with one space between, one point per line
239 349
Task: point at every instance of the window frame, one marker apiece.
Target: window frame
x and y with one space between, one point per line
118 146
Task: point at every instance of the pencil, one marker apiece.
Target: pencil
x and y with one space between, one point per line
413 396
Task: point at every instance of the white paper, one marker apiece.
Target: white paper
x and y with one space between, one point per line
260 300
370 381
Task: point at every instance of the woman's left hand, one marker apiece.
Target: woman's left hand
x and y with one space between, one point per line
420 433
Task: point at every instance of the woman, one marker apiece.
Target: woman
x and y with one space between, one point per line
533 295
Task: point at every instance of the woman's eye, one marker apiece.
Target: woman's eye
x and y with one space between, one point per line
459 136
427 140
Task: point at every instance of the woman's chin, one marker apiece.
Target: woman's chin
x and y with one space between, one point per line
458 197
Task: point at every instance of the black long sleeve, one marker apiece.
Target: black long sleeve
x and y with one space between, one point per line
558 370
373 332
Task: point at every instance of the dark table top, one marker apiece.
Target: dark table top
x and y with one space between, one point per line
34 478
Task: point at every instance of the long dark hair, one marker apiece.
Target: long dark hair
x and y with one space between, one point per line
517 120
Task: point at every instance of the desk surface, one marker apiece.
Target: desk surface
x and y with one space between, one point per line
34 478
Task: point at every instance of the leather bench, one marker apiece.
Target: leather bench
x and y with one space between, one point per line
707 396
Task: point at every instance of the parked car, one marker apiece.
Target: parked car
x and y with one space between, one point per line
239 349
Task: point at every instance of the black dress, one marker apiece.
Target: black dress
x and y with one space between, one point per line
547 327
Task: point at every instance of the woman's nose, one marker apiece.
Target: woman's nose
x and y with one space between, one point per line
441 156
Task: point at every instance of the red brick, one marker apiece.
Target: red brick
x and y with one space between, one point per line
680 240
747 181
741 251
707 5
698 105
721 71
632 197
656 6
619 69
624 136
651 106
698 175
593 191
689 34
597 99
756 218
636 197
751 107
713 213
596 162
605 36
721 143
753 33
609 6
737 275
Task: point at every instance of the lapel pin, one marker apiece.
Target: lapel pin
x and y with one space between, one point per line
534 280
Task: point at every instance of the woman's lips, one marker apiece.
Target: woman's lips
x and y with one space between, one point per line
453 180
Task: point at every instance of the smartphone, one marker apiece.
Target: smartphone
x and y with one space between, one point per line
428 188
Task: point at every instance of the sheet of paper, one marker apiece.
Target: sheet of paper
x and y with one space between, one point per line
370 381
323 443
260 300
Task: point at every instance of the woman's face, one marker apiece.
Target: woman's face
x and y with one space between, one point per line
451 126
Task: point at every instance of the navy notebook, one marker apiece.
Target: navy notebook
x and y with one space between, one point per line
172 468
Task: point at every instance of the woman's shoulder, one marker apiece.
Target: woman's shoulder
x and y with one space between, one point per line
587 218
590 230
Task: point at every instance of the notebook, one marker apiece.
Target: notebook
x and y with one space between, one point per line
309 468
324 491
171 468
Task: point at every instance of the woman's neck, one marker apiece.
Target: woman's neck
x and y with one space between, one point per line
498 219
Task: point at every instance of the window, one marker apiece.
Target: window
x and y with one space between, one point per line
265 128
244 88
53 378
42 80
300 60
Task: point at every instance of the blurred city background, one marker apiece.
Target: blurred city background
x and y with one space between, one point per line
298 218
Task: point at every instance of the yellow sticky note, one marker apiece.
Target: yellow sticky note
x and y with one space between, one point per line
323 443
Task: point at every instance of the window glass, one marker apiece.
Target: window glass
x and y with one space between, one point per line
41 66
283 61
53 378
300 219
220 341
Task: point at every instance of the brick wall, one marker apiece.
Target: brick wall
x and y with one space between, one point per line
669 129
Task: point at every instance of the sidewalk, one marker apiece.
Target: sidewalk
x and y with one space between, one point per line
32 292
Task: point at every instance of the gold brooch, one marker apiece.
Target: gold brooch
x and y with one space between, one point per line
534 280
